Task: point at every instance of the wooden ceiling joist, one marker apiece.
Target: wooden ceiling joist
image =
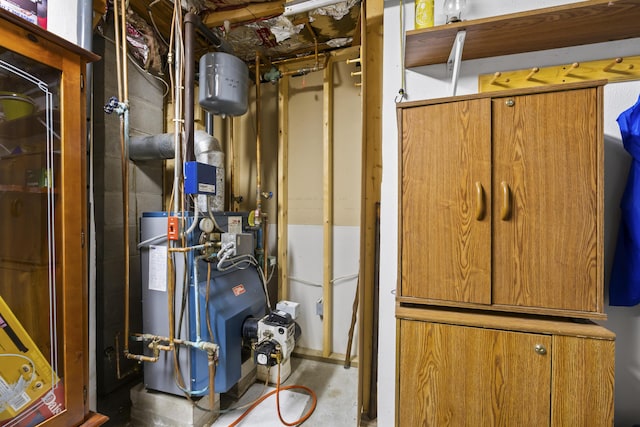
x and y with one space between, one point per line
251 12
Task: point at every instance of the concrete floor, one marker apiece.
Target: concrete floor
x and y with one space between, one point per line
334 386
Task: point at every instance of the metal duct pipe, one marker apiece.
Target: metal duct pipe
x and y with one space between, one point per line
208 124
207 150
162 147
152 147
190 21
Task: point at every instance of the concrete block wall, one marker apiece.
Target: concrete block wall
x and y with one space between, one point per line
145 187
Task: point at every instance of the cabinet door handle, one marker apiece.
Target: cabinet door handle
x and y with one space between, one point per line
480 201
506 201
540 349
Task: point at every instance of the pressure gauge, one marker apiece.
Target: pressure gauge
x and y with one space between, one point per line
206 225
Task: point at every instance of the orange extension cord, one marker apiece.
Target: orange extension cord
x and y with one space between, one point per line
277 393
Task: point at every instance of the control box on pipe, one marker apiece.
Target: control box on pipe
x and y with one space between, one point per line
199 178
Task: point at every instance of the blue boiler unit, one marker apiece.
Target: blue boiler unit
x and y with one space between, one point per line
234 295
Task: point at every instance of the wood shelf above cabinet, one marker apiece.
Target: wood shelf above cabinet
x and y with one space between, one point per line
573 24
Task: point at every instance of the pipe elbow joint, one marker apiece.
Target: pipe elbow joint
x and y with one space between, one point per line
210 348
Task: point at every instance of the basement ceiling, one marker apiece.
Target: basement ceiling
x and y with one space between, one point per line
252 27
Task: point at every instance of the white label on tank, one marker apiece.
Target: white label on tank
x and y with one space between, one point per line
206 188
158 268
235 224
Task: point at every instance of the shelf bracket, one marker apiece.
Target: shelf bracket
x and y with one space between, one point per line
455 58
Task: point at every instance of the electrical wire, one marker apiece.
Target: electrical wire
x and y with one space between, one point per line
246 405
270 275
206 301
210 211
244 261
176 82
150 241
196 213
153 22
236 408
145 73
317 285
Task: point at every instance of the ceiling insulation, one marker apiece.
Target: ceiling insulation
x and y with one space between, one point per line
256 27
281 38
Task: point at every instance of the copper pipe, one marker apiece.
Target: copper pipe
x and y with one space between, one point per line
116 31
123 92
300 59
212 383
202 345
161 347
315 40
193 248
265 244
233 204
141 358
125 71
120 375
258 212
307 70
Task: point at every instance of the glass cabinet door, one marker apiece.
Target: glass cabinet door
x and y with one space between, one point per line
32 374
44 326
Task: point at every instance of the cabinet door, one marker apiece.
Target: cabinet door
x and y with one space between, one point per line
466 376
582 382
446 226
545 200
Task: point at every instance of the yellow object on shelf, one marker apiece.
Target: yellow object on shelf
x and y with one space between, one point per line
424 14
614 69
14 106
29 387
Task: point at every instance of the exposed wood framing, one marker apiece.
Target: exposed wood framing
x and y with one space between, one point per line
249 13
371 55
283 189
327 283
329 60
99 9
335 358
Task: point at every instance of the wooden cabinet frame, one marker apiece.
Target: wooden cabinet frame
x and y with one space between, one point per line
44 47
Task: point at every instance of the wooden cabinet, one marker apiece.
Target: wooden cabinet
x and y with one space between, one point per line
500 228
458 368
44 375
501 201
